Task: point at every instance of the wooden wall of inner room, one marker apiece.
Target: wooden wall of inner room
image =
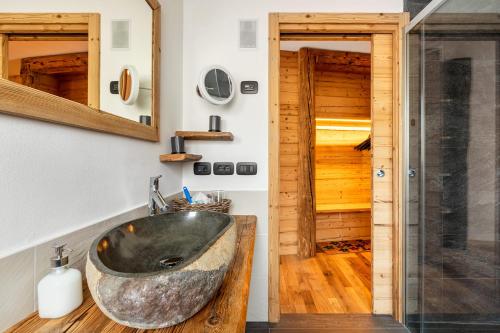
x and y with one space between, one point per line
343 184
289 106
342 91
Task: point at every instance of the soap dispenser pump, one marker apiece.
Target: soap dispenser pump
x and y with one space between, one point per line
60 291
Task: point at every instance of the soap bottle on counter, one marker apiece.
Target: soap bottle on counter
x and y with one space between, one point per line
60 291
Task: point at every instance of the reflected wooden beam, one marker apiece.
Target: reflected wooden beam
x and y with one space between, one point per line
48 37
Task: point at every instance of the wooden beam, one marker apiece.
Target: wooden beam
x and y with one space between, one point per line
324 37
340 18
382 106
44 18
156 70
45 28
94 65
274 169
330 28
55 64
306 205
399 172
341 57
48 37
4 56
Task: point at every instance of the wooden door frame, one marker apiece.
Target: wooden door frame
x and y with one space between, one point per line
347 25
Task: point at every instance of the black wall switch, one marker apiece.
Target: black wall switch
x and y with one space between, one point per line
114 87
246 168
202 168
223 168
249 87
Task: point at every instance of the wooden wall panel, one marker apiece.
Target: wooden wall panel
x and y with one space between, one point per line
382 146
342 173
289 111
342 95
343 226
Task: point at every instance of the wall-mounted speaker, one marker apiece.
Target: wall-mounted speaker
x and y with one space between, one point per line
248 34
120 34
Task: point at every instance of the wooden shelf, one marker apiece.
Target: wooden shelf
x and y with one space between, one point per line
343 208
180 158
208 136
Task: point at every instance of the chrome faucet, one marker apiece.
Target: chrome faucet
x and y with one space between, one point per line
157 205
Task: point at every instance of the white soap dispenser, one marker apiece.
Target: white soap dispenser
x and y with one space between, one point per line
60 291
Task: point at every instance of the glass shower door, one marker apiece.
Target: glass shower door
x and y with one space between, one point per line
452 117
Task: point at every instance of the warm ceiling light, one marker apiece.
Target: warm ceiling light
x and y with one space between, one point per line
343 128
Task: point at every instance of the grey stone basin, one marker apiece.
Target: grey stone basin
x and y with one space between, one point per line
158 271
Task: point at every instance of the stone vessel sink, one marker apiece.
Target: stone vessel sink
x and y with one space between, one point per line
159 271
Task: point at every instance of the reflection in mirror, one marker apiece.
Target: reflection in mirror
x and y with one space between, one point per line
76 56
56 67
47 59
125 85
129 85
216 85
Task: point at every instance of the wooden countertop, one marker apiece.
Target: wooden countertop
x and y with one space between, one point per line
226 312
343 208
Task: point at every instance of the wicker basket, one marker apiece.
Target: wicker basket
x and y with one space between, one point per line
182 205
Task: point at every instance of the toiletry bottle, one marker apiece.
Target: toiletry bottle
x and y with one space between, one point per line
60 291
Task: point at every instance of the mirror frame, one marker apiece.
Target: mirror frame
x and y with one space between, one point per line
26 102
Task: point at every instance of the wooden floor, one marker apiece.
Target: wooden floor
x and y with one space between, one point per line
329 323
339 283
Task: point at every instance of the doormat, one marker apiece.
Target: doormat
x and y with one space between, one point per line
348 246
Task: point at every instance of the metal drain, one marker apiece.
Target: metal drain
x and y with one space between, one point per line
170 262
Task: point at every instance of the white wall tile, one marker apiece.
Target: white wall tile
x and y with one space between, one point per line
16 288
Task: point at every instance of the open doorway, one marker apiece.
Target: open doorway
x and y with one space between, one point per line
333 276
383 31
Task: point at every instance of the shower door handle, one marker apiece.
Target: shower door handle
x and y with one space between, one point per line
412 172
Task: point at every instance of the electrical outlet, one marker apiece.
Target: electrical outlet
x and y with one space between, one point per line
223 168
246 168
202 168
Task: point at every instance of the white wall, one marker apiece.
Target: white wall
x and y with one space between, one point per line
139 54
56 179
211 37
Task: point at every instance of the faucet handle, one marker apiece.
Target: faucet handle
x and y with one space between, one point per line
154 180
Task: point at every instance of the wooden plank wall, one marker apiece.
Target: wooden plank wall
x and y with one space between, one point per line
341 95
342 174
382 150
289 106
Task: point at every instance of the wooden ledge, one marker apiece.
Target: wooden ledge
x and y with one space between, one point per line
225 313
343 208
165 158
208 136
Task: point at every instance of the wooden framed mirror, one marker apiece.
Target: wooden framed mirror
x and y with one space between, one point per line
62 67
